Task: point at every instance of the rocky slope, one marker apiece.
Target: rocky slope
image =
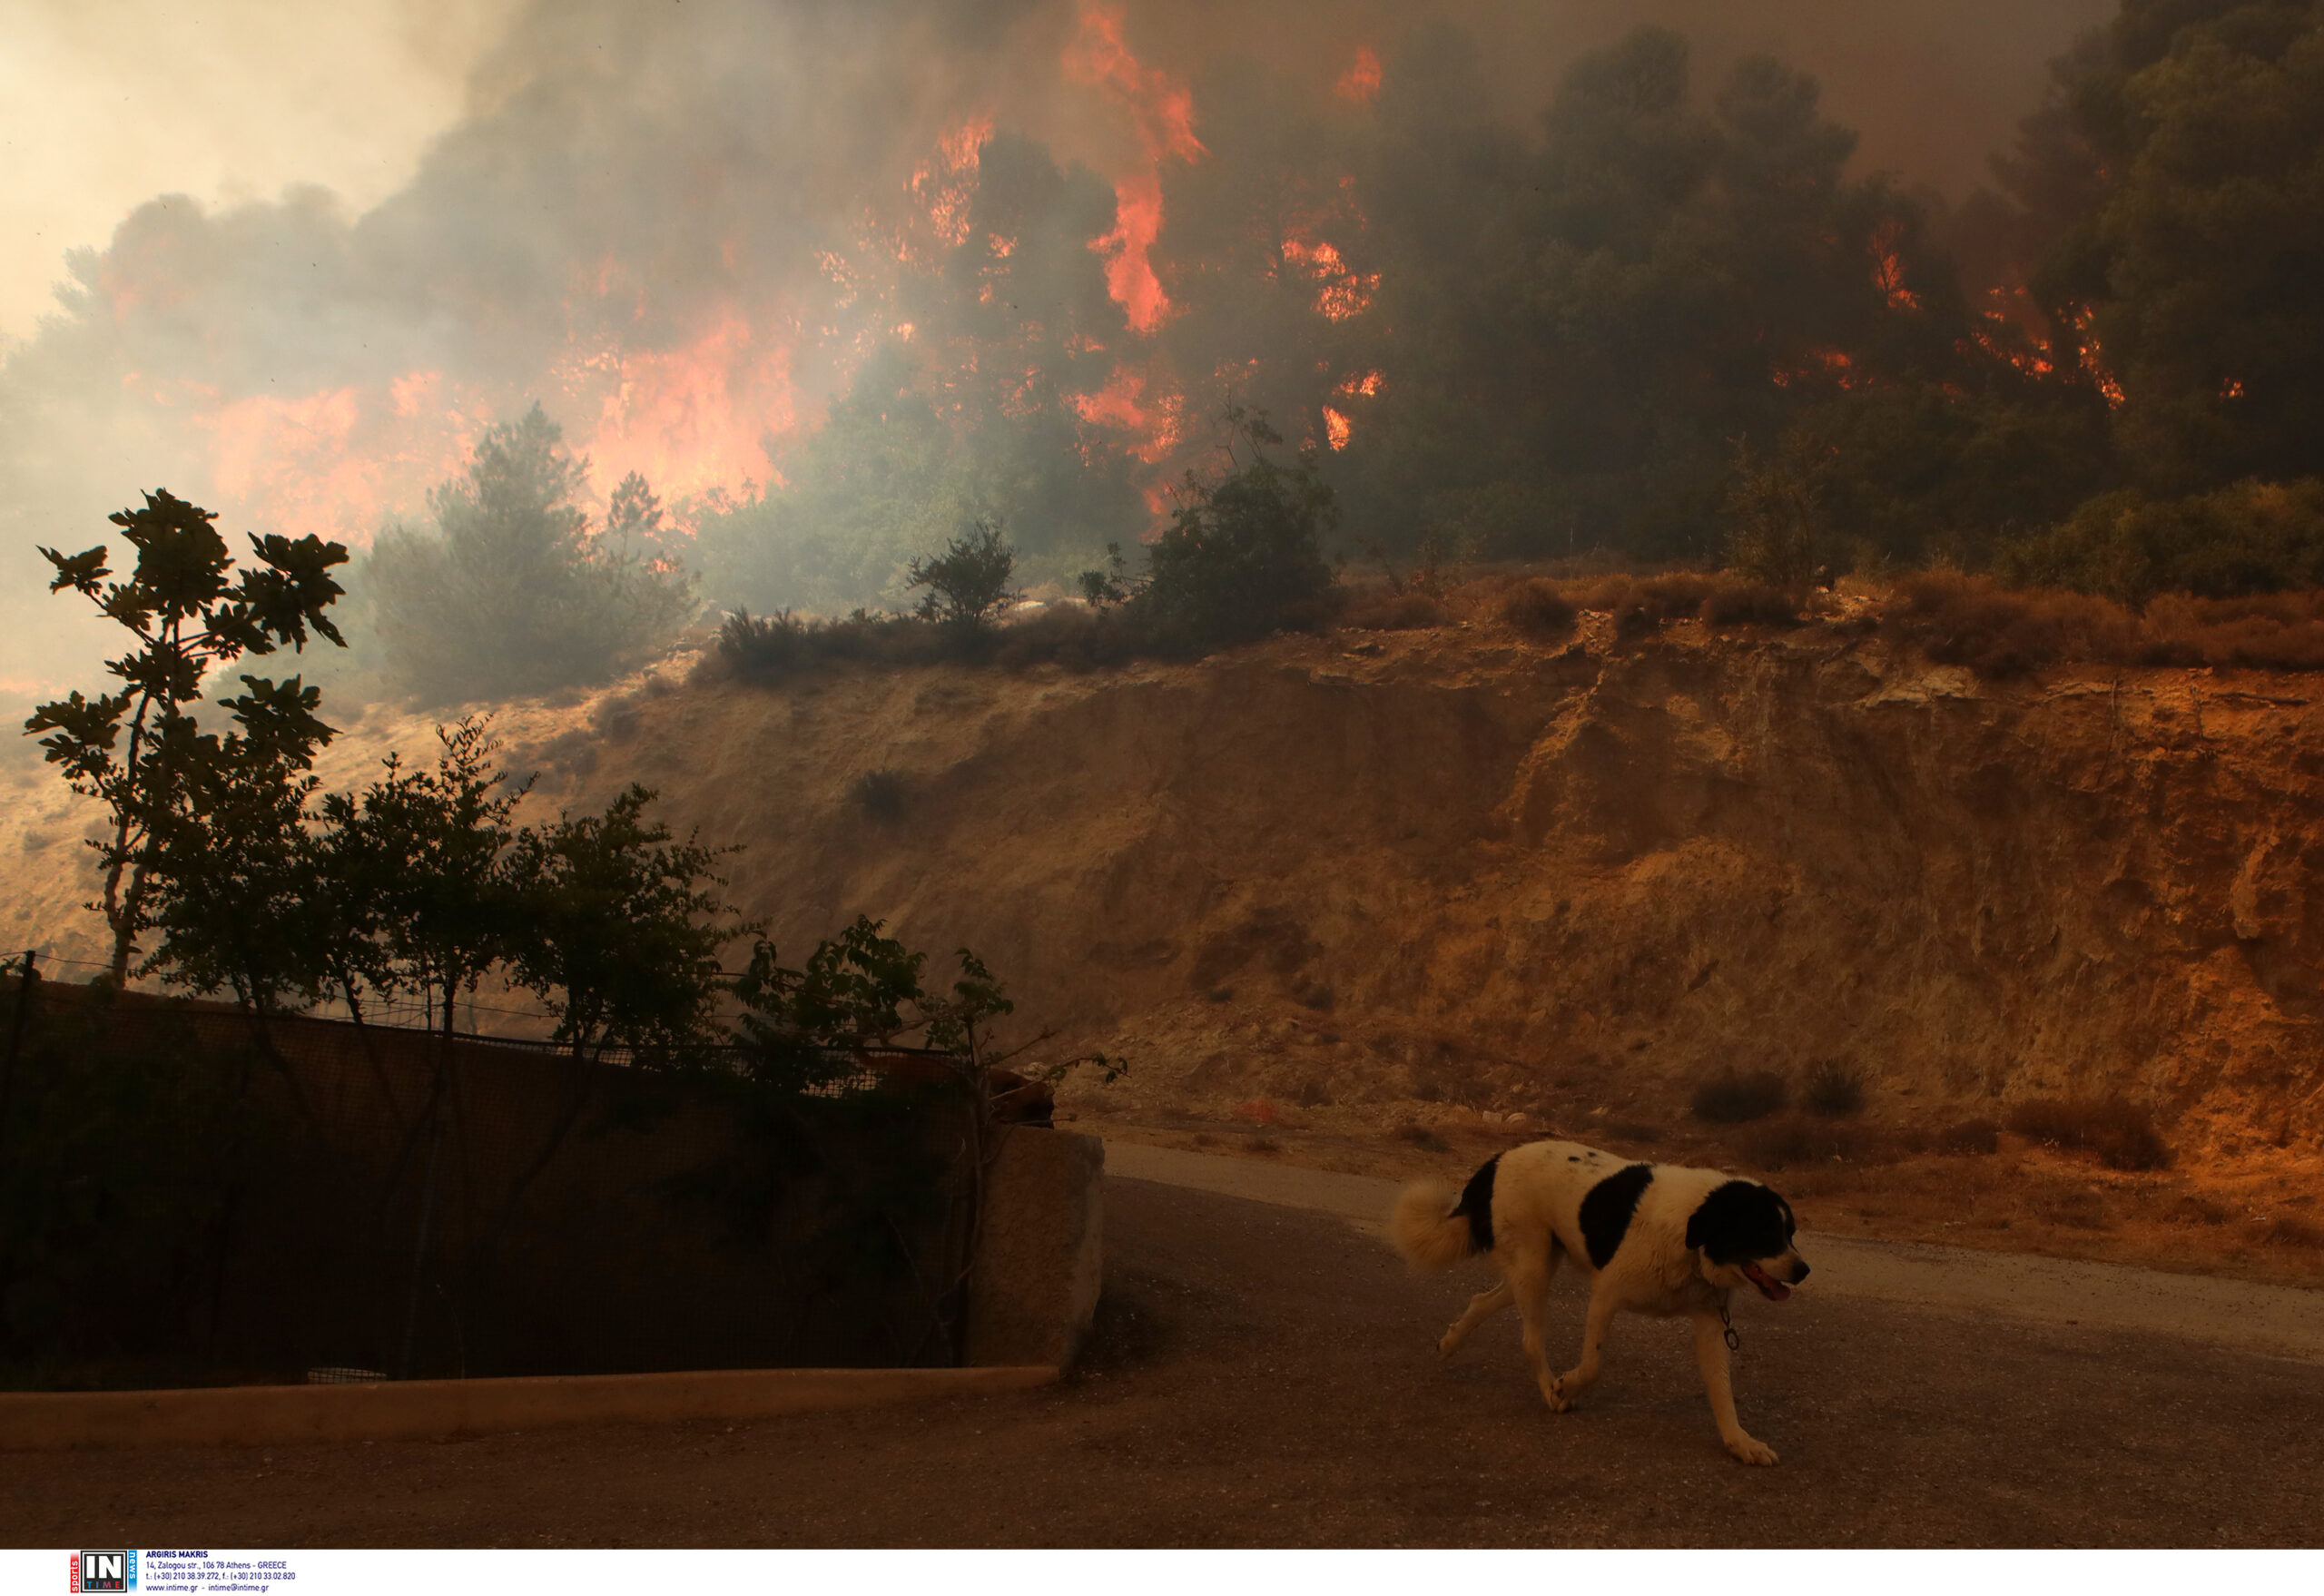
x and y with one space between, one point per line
1454 868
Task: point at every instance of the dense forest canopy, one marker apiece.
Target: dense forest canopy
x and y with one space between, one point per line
1533 339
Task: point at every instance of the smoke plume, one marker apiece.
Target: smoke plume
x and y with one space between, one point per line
734 245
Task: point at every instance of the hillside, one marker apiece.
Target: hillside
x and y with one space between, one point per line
1447 875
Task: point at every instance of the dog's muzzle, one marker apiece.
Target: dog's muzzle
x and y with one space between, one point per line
1771 1288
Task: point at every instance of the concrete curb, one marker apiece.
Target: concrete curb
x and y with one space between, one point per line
249 1415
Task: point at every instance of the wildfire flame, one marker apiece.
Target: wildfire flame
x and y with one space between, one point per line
1888 269
1360 81
1340 293
2093 360
1162 110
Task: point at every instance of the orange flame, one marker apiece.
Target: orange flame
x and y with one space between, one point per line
1335 427
1341 294
1888 269
1162 110
1834 365
1360 82
694 417
2093 360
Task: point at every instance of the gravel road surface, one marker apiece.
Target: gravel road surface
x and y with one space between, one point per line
1262 1375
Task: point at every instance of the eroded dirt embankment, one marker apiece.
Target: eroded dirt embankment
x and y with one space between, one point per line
1467 871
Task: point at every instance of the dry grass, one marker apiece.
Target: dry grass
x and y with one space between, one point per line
1736 601
2119 1132
2275 632
1970 1138
1540 610
1382 609
2284 1230
1421 1137
1642 605
1834 1090
1736 1098
2191 1209
2000 632
2075 1208
1791 1142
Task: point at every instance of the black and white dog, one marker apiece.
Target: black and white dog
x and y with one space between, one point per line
1655 1239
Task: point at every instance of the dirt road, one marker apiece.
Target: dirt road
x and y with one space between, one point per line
1262 1375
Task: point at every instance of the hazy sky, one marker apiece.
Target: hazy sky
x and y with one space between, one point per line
107 103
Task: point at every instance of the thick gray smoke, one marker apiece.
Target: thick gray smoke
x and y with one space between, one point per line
683 228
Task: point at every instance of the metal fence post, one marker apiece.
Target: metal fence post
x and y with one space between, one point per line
419 1248
15 1045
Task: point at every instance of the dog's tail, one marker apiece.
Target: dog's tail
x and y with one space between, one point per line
1427 1227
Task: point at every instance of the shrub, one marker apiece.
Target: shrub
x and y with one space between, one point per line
1079 639
1676 595
1774 510
1421 1137
1970 1138
1998 634
1835 1091
2279 631
764 650
2119 1132
1733 1097
968 581
2249 537
1242 556
1540 610
1643 605
761 649
1741 602
1394 612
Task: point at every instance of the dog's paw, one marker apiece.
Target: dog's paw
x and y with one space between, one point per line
1446 1346
1556 1395
1743 1449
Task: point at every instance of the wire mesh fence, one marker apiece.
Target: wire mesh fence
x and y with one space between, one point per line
190 1195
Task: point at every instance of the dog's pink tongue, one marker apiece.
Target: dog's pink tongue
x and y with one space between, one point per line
1775 1292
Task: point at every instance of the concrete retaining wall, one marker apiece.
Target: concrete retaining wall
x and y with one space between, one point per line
1040 1260
1031 1302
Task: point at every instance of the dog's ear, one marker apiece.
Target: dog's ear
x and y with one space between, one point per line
1735 1220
